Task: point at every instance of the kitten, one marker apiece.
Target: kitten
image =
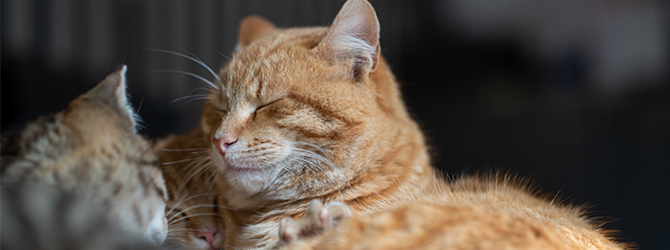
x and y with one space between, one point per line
90 153
194 219
316 113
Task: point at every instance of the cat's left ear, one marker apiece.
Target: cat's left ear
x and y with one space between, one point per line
111 92
353 37
251 28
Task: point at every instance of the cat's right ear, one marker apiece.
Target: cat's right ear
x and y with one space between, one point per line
111 92
251 28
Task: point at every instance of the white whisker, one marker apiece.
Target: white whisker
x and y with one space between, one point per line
183 149
190 208
175 162
194 59
192 215
183 73
189 96
182 200
198 98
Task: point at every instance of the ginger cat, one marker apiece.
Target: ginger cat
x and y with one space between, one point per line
82 178
315 113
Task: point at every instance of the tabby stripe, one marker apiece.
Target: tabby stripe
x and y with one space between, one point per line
322 109
261 84
160 191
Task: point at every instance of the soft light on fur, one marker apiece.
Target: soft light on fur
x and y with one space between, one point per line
193 210
316 113
91 151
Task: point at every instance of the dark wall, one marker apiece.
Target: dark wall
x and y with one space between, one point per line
573 94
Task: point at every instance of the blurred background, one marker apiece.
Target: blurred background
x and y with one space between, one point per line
574 94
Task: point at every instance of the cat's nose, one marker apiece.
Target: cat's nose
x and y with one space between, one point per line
224 143
208 236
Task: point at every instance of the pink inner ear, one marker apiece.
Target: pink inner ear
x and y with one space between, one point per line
354 34
253 27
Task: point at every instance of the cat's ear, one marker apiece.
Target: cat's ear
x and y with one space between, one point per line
353 37
251 28
111 92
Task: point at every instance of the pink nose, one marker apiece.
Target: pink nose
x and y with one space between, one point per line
208 236
224 143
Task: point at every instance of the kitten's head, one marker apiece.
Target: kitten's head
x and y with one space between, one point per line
301 109
91 150
193 210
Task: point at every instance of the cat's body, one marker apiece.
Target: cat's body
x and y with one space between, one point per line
90 152
315 113
492 212
193 208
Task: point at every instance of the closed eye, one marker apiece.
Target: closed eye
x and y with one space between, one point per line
220 110
265 105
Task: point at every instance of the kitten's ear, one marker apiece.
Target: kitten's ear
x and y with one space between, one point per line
111 92
353 36
251 28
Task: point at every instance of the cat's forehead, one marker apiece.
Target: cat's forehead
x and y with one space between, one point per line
271 65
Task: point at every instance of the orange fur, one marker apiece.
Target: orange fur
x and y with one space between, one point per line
316 113
193 208
467 213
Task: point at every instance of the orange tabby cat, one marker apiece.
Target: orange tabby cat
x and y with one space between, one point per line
315 113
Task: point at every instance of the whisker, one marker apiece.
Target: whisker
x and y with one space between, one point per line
182 200
183 73
139 106
175 162
192 207
188 229
182 149
193 215
189 96
198 98
194 59
200 88
309 154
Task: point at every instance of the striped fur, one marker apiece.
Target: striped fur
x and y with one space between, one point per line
91 151
193 208
316 113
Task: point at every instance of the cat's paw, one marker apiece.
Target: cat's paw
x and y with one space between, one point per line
318 219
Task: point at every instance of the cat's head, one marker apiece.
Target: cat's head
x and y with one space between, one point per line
91 150
193 210
300 110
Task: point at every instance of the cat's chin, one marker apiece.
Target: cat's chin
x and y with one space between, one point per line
240 171
247 179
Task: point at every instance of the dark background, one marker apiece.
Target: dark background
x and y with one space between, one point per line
574 94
